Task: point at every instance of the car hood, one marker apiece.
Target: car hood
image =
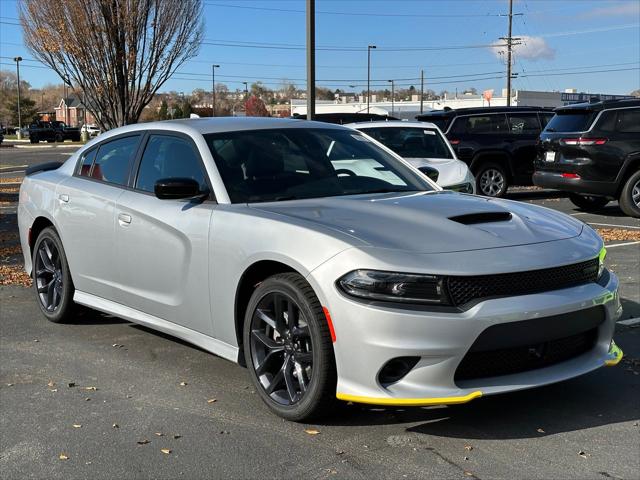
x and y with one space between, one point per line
431 222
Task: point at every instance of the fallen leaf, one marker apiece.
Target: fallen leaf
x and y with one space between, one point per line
71 384
465 458
91 388
9 384
183 384
166 451
212 400
115 345
143 442
51 383
177 435
583 454
340 452
468 474
63 456
311 431
160 434
540 430
53 390
468 448
115 425
77 425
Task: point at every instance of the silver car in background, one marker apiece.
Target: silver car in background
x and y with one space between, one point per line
424 146
326 264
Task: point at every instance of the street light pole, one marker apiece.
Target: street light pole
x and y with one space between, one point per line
213 89
18 60
311 59
392 96
246 91
369 47
421 91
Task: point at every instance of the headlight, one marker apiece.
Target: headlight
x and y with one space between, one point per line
463 188
395 287
601 257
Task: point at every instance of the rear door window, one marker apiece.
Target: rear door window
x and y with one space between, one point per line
523 123
112 161
571 121
629 120
482 124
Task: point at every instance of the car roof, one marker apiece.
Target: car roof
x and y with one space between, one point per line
394 123
601 105
475 110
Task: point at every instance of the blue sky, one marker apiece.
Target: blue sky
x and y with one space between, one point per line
559 38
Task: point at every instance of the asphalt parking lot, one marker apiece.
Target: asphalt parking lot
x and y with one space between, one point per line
104 398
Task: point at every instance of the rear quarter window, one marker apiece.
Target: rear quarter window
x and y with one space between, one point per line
629 120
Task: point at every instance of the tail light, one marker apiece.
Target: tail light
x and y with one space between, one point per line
454 142
570 175
583 141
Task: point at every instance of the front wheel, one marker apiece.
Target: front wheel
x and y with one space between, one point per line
630 196
51 277
288 349
588 203
491 180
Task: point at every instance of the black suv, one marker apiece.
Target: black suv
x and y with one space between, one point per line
593 151
498 143
52 132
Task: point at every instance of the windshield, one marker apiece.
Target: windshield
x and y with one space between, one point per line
412 142
570 121
286 164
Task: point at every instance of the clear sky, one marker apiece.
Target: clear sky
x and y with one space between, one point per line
562 40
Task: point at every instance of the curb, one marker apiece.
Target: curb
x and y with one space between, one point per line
46 146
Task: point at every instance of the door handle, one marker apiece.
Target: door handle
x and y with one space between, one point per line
63 197
124 219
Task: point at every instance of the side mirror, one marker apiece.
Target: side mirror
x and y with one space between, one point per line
430 172
176 188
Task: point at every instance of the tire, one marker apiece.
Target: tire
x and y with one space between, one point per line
491 180
588 203
303 349
52 281
33 139
630 196
59 138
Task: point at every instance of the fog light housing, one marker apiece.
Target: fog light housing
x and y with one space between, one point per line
395 369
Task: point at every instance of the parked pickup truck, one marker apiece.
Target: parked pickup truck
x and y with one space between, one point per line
52 132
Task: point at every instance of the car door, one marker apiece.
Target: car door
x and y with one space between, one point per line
86 213
524 129
163 245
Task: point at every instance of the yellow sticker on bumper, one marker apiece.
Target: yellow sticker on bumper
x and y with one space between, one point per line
409 402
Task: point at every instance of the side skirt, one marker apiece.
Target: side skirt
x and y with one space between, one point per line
201 340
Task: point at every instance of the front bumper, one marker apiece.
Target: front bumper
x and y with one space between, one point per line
368 336
551 179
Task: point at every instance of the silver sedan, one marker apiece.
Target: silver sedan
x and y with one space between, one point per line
323 262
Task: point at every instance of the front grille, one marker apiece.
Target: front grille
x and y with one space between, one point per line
465 290
521 359
515 347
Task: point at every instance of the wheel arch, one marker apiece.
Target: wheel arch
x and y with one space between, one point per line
631 166
492 156
253 275
38 225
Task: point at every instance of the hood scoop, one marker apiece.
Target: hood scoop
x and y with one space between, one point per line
482 217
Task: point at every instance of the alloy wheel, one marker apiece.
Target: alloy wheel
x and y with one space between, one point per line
635 194
48 275
281 348
491 182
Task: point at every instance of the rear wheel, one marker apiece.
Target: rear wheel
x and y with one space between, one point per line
630 196
59 138
51 277
491 180
588 203
288 349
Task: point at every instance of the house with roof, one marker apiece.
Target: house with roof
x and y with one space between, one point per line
72 111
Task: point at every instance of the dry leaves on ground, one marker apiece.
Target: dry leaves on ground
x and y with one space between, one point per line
166 451
311 431
14 275
11 180
619 234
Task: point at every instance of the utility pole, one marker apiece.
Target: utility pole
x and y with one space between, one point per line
510 43
18 60
311 59
392 95
246 90
213 89
421 90
369 47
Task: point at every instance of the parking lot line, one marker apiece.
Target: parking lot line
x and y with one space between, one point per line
613 225
629 322
622 244
13 167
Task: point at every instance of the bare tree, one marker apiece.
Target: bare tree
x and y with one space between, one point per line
118 52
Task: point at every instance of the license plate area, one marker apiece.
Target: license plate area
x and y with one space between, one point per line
549 156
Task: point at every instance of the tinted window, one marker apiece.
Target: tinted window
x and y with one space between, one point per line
441 122
545 118
607 121
411 142
482 124
87 161
523 123
284 164
112 161
570 121
629 120
169 157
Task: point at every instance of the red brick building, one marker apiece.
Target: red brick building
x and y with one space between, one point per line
73 112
